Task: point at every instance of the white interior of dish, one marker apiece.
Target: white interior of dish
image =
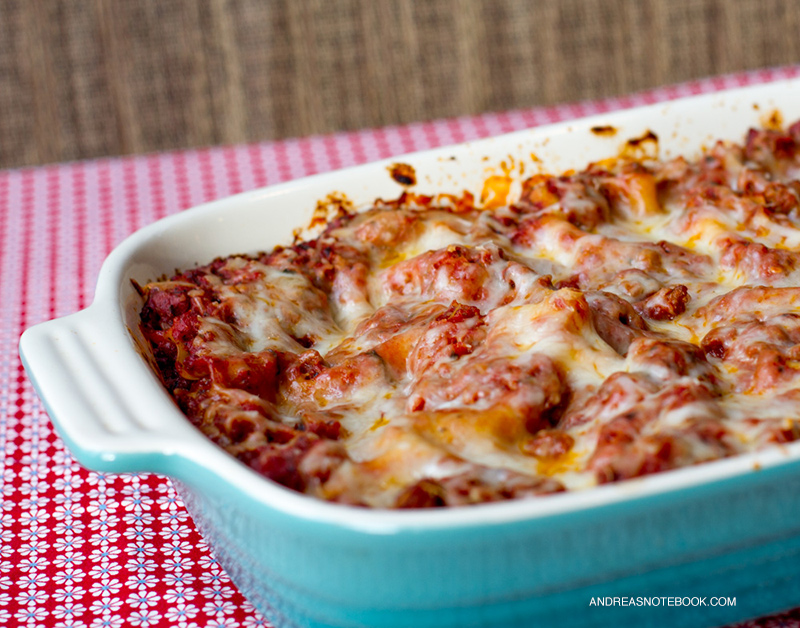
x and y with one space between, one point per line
259 220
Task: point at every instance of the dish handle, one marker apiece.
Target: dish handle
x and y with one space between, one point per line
101 402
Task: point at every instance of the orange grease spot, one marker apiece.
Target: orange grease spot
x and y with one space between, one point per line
495 191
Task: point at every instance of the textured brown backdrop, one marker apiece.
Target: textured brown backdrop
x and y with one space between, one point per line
85 78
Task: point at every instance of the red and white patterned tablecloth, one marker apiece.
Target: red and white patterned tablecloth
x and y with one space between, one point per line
89 550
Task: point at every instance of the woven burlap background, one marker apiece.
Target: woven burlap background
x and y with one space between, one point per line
85 78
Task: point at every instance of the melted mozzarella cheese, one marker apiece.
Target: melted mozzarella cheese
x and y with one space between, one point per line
507 284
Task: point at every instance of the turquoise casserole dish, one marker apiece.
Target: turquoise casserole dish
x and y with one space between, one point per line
700 546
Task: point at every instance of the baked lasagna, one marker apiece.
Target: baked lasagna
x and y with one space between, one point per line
638 316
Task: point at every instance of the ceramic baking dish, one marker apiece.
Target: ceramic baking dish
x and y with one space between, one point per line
726 529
